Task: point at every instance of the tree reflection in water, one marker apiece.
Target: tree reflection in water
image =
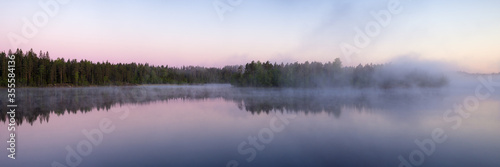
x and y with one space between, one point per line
39 103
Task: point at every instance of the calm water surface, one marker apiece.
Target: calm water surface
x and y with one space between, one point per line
219 125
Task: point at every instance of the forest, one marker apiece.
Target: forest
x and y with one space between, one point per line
39 70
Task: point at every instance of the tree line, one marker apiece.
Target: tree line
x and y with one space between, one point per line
333 74
39 70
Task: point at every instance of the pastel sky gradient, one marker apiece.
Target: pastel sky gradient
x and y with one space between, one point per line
189 32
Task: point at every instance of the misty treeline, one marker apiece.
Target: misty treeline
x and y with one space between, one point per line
333 74
34 69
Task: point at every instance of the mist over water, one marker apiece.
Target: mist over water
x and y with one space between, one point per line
235 83
341 126
39 103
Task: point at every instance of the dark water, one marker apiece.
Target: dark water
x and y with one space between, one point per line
219 125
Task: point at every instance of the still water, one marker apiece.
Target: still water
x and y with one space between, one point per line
220 125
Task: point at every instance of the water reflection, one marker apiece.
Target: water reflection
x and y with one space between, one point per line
204 126
38 103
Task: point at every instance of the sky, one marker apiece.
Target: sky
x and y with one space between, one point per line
199 33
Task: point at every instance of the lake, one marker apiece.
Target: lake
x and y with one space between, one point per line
221 125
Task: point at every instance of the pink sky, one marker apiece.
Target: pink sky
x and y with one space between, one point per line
179 33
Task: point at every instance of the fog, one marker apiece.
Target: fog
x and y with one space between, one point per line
411 69
37 104
405 82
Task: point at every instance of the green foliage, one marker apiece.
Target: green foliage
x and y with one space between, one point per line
306 74
39 70
331 74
